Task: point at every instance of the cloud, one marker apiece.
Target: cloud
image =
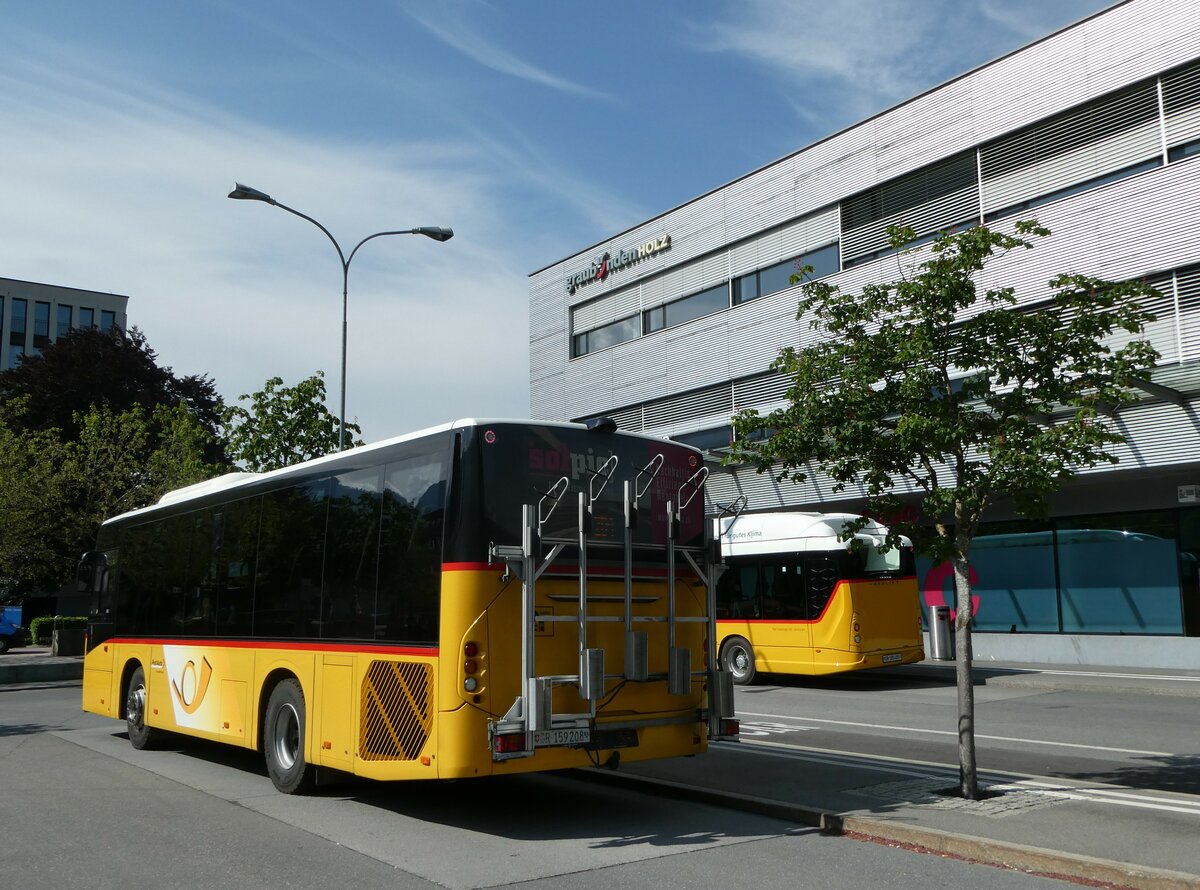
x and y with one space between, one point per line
113 186
454 23
844 60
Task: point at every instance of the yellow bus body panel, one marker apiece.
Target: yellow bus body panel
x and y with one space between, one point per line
888 615
386 712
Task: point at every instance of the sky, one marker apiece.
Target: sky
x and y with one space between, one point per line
534 130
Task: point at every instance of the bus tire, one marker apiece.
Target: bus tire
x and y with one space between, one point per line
141 736
283 739
737 657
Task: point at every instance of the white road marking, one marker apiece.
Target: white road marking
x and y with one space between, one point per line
946 732
1107 795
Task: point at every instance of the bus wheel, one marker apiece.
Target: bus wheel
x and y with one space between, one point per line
141 736
738 658
283 739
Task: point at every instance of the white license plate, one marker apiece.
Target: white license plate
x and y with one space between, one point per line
545 738
893 658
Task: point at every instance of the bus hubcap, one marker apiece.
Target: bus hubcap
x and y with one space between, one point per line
287 736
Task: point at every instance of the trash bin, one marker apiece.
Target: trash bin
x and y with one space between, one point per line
941 634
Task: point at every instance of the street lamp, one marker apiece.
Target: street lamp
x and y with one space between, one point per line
437 233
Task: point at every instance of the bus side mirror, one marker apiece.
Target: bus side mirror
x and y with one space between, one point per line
88 572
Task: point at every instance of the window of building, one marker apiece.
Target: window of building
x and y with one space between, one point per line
87 317
936 198
1106 139
772 279
714 299
1117 573
41 326
108 319
17 323
64 321
909 191
605 336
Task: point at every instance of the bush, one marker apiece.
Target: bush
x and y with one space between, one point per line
41 628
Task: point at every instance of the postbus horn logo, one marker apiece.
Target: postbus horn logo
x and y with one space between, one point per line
189 689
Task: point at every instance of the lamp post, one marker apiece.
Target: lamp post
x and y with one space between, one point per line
437 233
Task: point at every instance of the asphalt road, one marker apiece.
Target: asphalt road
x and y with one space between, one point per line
1138 741
86 810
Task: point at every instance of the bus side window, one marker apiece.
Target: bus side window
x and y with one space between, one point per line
783 591
737 592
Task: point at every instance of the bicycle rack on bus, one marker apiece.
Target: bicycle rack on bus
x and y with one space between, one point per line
531 714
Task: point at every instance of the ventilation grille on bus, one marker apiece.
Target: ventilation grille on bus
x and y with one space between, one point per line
822 579
397 710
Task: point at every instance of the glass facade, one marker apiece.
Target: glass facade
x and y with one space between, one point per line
1115 573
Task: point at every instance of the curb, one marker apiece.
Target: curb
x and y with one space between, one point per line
1020 857
40 673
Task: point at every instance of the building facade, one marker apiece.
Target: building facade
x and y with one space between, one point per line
670 327
32 316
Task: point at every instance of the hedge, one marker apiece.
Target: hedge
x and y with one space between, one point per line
47 623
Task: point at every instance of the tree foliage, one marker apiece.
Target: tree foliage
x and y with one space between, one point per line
283 425
115 369
928 385
55 492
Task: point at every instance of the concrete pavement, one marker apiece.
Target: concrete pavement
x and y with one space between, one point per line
1087 831
1102 834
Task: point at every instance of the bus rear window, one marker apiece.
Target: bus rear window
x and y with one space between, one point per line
521 463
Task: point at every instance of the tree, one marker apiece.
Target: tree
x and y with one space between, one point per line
927 385
54 494
115 369
31 503
283 425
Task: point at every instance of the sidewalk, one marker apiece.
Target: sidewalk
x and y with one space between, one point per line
1083 830
1103 834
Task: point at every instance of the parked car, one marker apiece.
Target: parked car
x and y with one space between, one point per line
11 633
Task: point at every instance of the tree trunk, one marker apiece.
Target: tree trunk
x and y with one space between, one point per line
967 774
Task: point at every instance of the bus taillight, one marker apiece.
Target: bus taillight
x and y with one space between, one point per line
471 666
513 743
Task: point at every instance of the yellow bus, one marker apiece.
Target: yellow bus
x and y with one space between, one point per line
481 598
794 598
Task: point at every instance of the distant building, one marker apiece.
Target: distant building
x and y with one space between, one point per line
670 327
32 315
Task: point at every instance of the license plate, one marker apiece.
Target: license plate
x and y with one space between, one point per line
892 658
546 738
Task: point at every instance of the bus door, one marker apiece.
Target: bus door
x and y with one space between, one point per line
782 637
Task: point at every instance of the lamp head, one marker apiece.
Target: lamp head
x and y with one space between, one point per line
437 233
245 193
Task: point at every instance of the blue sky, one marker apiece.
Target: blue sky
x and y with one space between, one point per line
533 129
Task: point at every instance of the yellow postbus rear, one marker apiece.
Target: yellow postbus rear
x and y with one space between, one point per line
479 599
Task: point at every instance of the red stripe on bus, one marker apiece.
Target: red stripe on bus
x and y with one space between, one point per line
473 567
276 644
606 571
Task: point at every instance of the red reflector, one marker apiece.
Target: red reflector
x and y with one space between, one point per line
471 649
509 744
730 726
